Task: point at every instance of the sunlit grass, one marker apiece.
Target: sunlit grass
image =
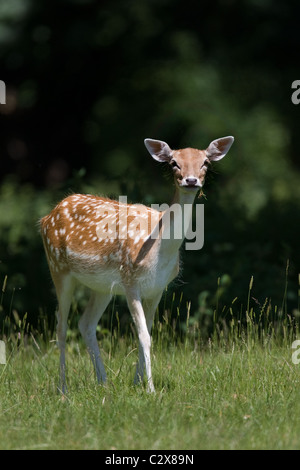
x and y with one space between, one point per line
232 385
238 389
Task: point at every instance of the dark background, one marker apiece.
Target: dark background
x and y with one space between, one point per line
87 81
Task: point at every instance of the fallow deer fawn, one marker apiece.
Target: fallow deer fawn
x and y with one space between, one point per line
109 247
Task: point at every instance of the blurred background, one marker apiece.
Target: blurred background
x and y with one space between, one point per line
87 81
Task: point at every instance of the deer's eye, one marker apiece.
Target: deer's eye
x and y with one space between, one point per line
206 163
174 164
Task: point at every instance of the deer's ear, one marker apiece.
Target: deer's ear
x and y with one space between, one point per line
158 149
218 148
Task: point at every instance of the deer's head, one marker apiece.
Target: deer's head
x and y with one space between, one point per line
189 165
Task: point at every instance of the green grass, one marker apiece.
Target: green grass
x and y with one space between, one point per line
237 390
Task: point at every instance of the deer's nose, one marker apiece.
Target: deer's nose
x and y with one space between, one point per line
191 181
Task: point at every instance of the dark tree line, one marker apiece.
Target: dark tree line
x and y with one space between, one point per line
87 81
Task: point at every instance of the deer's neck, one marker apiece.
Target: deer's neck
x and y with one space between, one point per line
169 233
176 221
183 198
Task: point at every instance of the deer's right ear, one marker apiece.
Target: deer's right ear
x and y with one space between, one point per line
158 149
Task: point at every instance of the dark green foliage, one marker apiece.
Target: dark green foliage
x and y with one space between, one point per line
88 81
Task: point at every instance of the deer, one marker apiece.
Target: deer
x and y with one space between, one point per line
109 246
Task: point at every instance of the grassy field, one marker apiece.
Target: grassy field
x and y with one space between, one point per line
239 389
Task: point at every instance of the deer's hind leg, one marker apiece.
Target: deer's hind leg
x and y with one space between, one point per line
88 324
64 285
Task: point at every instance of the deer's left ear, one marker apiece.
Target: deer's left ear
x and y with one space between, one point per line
158 149
218 148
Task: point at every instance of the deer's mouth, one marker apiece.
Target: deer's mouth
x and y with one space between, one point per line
191 187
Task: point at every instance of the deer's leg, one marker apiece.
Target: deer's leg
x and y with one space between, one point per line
88 324
149 306
64 290
137 312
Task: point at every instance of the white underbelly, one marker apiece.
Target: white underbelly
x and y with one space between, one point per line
106 281
150 282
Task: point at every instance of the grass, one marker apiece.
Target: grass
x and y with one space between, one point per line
229 396
238 388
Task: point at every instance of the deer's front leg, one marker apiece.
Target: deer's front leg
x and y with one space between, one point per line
137 312
149 307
